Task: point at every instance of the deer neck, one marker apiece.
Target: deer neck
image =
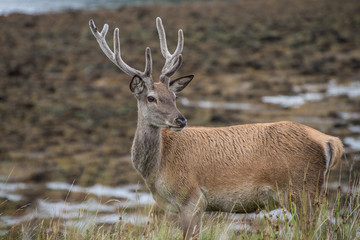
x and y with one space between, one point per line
146 149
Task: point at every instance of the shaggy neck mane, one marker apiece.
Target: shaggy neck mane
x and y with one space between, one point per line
145 152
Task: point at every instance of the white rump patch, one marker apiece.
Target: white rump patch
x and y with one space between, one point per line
328 156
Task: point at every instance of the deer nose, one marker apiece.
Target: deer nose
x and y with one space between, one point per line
181 122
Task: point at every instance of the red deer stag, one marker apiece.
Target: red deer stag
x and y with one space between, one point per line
232 169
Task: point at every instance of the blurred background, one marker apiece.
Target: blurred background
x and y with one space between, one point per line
67 117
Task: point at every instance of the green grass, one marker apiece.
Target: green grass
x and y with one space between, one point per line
338 218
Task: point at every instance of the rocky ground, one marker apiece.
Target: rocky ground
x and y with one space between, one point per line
67 113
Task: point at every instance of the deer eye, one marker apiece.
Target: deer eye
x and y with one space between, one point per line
150 99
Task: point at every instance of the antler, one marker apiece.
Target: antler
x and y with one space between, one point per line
115 56
172 61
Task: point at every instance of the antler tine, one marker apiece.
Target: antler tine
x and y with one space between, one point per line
118 60
148 62
172 61
115 56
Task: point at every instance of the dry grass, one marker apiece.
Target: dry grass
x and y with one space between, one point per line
330 219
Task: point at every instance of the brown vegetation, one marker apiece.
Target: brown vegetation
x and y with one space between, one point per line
67 113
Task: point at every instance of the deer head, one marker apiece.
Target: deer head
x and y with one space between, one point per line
156 100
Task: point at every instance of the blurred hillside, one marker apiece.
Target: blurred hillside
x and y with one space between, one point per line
66 111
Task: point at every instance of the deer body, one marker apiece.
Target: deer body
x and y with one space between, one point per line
237 168
233 169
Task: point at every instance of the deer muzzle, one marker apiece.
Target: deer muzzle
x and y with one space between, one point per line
179 124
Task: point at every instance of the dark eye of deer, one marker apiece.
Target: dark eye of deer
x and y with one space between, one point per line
150 99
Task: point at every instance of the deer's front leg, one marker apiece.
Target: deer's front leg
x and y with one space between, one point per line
190 216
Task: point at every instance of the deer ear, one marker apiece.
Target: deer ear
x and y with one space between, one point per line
137 85
177 85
